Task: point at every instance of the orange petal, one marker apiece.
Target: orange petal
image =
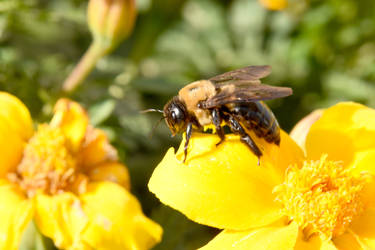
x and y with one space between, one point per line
223 186
96 149
73 120
15 213
277 238
111 171
342 130
116 219
364 228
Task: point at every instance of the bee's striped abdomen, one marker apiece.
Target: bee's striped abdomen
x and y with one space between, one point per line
256 116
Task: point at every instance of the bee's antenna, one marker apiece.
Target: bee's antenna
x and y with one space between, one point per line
151 110
155 126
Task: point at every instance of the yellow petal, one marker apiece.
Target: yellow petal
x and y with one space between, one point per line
96 149
364 228
348 241
15 129
15 113
277 238
223 186
15 213
301 129
61 218
368 194
11 149
364 163
314 243
116 219
342 130
73 120
111 171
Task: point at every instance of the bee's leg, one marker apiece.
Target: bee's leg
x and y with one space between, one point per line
216 120
189 130
236 128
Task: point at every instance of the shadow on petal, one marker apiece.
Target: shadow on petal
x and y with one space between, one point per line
348 241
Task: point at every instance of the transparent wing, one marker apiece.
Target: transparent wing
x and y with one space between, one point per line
249 75
250 93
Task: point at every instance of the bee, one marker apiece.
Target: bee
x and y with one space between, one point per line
234 99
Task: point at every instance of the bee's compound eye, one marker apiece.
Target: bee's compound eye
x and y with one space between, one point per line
173 114
177 115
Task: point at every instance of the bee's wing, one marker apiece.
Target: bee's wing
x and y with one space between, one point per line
251 93
249 75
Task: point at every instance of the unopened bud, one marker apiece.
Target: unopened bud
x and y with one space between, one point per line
111 21
274 4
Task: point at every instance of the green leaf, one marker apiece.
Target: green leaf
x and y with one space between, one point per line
32 239
101 111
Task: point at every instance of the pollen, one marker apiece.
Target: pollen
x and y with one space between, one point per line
47 165
322 197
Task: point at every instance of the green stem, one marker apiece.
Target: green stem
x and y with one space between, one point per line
84 67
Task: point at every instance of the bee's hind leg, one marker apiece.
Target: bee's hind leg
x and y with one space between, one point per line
189 130
236 128
216 120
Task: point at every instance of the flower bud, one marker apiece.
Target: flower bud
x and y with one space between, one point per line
111 21
274 4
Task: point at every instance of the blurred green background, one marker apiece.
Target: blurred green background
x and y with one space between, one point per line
324 50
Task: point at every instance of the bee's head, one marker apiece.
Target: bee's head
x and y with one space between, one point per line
176 115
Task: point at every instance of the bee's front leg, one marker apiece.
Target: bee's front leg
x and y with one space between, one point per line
189 130
216 120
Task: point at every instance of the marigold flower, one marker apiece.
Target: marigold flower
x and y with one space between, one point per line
324 199
66 177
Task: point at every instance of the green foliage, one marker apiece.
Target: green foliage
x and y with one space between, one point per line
324 50
33 240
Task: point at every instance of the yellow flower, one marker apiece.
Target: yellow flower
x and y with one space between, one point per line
274 4
65 176
301 129
324 199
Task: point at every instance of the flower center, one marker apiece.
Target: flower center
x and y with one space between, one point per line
47 164
322 197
